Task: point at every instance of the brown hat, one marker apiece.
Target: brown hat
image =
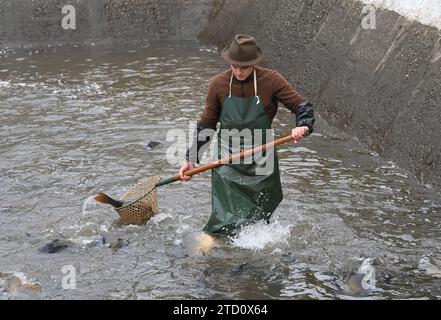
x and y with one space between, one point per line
242 51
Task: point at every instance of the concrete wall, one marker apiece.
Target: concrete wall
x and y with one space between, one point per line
425 11
37 23
382 85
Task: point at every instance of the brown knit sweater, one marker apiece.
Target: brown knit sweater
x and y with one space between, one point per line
271 88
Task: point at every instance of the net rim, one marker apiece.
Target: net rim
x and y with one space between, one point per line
138 184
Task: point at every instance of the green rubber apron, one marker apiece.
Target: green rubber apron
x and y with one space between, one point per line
241 194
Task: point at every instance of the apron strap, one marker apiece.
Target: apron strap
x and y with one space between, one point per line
255 85
231 82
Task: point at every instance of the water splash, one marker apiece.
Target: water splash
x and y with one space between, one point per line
85 227
364 279
156 219
89 207
430 266
259 235
89 241
5 84
367 269
89 202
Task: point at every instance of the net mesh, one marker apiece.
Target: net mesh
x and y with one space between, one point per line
140 202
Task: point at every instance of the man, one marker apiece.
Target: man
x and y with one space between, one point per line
245 97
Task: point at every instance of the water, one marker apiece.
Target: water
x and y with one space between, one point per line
261 235
77 122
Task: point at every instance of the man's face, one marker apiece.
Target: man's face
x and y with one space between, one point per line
241 72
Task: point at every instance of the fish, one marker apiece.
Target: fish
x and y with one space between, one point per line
240 267
355 283
17 283
199 244
153 144
55 246
205 243
120 243
104 198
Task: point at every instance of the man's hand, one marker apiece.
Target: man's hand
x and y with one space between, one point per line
185 166
299 132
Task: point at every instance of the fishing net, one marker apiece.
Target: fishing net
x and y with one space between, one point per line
140 202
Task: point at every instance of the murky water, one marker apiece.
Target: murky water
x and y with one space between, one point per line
76 122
